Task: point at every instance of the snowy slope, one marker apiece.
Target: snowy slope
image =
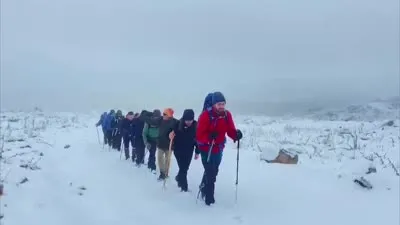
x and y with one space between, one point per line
84 184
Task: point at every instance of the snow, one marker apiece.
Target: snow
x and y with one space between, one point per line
318 190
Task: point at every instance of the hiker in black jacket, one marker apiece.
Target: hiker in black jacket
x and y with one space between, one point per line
116 124
184 135
128 133
139 121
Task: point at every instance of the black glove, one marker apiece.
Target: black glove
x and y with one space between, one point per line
197 150
213 135
239 134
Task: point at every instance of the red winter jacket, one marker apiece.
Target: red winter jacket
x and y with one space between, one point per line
223 126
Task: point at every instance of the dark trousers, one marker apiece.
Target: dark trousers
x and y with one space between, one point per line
139 149
211 169
129 139
151 164
183 158
109 134
117 139
105 138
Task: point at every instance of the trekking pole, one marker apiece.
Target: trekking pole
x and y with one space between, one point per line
120 154
237 171
168 162
98 135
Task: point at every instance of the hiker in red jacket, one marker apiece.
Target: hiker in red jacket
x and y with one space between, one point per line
213 125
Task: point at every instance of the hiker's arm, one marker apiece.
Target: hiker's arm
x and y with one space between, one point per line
231 131
196 145
100 121
175 128
194 138
202 135
144 133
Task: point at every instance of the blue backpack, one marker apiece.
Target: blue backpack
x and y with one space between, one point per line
208 102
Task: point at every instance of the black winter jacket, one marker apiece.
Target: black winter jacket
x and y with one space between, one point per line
185 138
128 127
166 126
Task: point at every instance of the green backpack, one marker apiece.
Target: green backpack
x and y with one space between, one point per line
152 132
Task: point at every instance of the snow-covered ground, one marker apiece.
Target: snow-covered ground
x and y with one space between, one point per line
47 182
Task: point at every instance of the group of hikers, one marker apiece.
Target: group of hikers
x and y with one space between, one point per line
160 133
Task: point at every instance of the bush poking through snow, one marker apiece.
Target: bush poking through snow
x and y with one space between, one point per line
363 183
332 143
31 164
25 146
1 189
23 180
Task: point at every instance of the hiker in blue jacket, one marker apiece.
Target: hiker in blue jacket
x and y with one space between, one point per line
102 123
108 128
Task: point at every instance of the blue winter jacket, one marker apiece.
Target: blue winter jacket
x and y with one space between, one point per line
102 120
107 122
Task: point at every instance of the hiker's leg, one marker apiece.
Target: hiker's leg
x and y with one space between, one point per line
132 140
126 145
119 141
151 164
185 162
109 137
161 160
140 150
211 170
105 139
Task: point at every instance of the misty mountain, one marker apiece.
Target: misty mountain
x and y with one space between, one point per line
375 110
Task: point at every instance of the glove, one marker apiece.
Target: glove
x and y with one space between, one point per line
239 135
197 151
172 135
196 156
213 135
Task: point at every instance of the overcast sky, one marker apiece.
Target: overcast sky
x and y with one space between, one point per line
84 54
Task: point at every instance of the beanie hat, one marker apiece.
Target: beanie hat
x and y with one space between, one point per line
169 112
129 115
218 97
188 114
156 113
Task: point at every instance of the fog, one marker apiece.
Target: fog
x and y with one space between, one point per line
78 55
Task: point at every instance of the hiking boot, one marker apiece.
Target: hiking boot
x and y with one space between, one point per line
209 199
184 189
162 177
177 181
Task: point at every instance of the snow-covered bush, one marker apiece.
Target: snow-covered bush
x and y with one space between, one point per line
325 141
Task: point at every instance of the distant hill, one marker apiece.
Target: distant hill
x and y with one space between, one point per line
376 110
